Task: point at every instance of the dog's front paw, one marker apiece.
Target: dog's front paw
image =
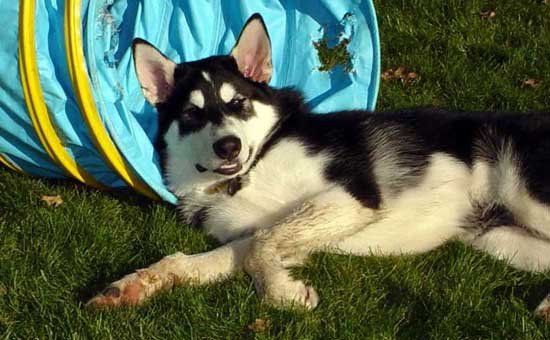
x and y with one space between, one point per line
131 290
292 294
283 291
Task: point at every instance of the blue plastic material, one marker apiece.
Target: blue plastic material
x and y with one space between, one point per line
184 31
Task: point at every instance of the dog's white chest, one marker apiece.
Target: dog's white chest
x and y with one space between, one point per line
283 179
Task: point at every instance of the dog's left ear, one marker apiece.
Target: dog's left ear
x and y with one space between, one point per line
253 50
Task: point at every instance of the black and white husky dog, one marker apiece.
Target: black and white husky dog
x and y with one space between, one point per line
274 182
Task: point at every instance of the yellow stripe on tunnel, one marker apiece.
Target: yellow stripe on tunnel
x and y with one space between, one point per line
79 78
9 165
36 107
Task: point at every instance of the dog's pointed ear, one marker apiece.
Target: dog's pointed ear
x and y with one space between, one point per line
154 70
253 50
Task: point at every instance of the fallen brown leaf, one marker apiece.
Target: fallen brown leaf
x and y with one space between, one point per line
412 76
387 75
531 82
402 73
260 325
53 201
487 14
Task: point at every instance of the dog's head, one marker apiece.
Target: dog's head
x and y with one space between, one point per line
214 113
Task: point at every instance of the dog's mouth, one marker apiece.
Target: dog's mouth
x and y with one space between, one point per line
229 168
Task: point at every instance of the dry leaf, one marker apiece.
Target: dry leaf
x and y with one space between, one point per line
53 201
546 2
402 73
531 82
487 14
3 290
260 325
387 75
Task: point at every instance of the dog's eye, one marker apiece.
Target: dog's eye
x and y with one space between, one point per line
190 113
236 104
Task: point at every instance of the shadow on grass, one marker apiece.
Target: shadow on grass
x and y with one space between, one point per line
126 195
531 294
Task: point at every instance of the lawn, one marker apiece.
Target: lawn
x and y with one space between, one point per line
471 55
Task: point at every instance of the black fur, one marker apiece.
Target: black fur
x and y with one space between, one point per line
486 216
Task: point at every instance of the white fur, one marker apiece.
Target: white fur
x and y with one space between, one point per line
517 246
227 92
180 173
484 182
514 193
196 97
206 76
421 218
262 204
258 127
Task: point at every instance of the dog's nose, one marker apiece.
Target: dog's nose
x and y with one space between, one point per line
227 147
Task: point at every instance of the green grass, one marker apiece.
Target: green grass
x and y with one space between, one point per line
54 259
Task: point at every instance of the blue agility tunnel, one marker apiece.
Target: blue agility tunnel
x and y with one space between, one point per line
70 102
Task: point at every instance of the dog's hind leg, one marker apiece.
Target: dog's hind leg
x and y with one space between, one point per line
135 288
332 215
522 250
518 246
